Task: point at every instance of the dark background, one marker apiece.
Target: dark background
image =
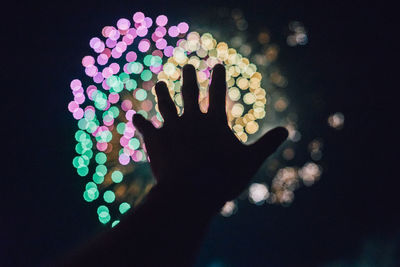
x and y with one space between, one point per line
350 217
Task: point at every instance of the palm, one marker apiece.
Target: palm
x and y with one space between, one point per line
200 149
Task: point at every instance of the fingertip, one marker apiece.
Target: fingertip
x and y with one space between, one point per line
281 132
189 74
137 118
145 127
161 85
277 136
188 68
140 122
219 67
218 75
190 90
165 104
270 142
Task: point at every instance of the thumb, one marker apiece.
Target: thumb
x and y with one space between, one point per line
268 143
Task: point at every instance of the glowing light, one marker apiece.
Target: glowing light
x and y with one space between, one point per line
315 148
161 20
228 209
109 196
288 153
124 207
336 120
123 24
173 31
138 17
102 210
114 223
183 27
258 193
281 104
310 173
117 176
298 34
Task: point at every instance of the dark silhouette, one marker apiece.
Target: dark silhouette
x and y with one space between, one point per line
199 165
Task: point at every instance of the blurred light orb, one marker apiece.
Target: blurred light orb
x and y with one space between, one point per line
298 35
229 208
310 173
258 193
336 120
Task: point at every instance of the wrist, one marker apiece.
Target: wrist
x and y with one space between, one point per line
186 197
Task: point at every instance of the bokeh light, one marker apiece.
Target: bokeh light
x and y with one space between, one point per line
298 34
336 120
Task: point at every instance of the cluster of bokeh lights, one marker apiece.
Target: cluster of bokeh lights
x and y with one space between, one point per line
127 62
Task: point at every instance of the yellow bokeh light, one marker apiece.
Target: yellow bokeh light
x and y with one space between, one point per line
234 94
251 127
242 83
237 110
249 98
168 69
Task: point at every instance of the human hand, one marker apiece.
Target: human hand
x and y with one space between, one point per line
199 152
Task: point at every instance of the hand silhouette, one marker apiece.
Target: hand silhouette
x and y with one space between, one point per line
198 152
195 156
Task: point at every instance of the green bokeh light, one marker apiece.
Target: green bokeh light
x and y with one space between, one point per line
146 75
114 111
117 176
88 153
92 126
93 193
121 127
135 67
101 170
98 179
131 85
156 61
90 185
83 160
114 223
83 124
124 207
86 197
80 136
100 100
141 94
124 77
134 143
90 114
117 88
101 209
105 219
109 196
104 136
83 170
90 194
101 158
147 60
104 214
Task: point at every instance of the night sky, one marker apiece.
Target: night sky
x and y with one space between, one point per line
350 216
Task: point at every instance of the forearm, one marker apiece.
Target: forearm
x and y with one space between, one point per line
165 231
